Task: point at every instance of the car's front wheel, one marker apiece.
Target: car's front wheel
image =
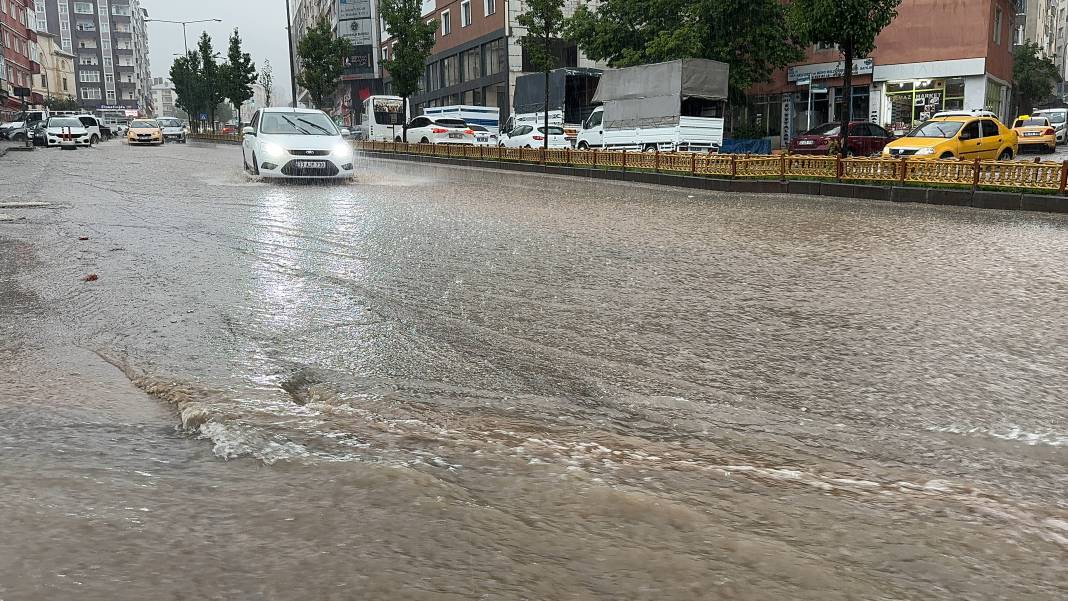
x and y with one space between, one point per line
946 155
1006 155
94 140
255 165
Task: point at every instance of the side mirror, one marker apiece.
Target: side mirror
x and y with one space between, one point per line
248 131
346 133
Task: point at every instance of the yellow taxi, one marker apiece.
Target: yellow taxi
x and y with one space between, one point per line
957 135
1035 133
144 131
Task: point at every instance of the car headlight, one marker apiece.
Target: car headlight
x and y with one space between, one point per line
272 149
924 151
342 150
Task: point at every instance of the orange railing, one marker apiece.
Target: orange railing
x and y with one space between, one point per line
1022 175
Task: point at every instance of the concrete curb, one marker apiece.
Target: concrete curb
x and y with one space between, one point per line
979 199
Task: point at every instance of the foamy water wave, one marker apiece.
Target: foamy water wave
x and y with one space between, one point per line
1011 433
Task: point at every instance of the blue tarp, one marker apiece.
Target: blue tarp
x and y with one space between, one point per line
762 146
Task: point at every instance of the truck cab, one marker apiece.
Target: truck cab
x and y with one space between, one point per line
592 134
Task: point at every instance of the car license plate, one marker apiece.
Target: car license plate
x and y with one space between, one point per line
310 164
456 135
805 142
1031 133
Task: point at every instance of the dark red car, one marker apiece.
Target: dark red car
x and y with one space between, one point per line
865 139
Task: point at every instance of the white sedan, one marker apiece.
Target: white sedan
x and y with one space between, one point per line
526 136
59 130
439 130
295 143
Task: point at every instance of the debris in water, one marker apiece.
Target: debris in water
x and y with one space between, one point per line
92 277
83 238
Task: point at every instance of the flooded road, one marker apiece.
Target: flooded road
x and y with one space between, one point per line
446 384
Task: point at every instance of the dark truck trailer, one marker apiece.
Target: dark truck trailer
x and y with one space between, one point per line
571 92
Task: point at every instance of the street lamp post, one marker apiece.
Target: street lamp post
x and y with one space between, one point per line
292 63
185 39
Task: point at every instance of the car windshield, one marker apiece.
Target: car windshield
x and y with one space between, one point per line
553 130
1030 123
64 122
827 129
169 122
936 129
143 125
450 122
1056 117
298 124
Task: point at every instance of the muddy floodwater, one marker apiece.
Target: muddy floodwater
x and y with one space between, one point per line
447 384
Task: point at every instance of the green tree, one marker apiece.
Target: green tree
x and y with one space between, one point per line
1034 75
413 41
240 75
212 76
852 25
189 86
751 36
543 19
62 104
267 81
322 61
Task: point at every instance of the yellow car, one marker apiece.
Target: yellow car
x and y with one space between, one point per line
144 131
957 135
1035 133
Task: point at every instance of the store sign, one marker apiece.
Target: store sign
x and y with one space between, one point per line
353 9
787 119
356 21
863 66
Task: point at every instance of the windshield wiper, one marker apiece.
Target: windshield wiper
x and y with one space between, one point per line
291 122
317 126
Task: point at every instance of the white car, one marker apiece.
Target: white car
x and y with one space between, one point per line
92 125
483 136
295 143
527 136
66 129
439 130
173 129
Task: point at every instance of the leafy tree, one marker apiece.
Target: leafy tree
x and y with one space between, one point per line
850 24
1034 75
322 61
542 19
62 104
413 41
267 81
189 86
212 76
240 75
751 36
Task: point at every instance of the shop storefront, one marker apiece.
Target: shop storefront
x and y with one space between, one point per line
913 102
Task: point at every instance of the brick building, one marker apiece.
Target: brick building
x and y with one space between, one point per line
17 67
937 55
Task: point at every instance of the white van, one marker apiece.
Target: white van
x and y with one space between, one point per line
1058 118
383 119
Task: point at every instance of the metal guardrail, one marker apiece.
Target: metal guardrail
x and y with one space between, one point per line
1038 175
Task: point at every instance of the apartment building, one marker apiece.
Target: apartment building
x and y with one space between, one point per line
477 54
163 97
57 75
17 67
110 40
936 55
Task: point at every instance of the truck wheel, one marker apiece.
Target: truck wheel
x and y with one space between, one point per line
397 139
583 145
649 148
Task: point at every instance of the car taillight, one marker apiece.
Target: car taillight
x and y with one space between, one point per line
439 130
1049 131
469 132
539 138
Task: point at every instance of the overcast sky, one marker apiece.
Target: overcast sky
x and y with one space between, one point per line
262 24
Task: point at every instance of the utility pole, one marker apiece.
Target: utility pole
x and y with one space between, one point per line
292 62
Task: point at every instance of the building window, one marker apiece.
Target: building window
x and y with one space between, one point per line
446 22
432 23
83 8
997 25
490 7
385 54
465 13
91 93
64 84
496 95
122 11
993 97
111 95
450 66
3 6
472 60
89 76
494 57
